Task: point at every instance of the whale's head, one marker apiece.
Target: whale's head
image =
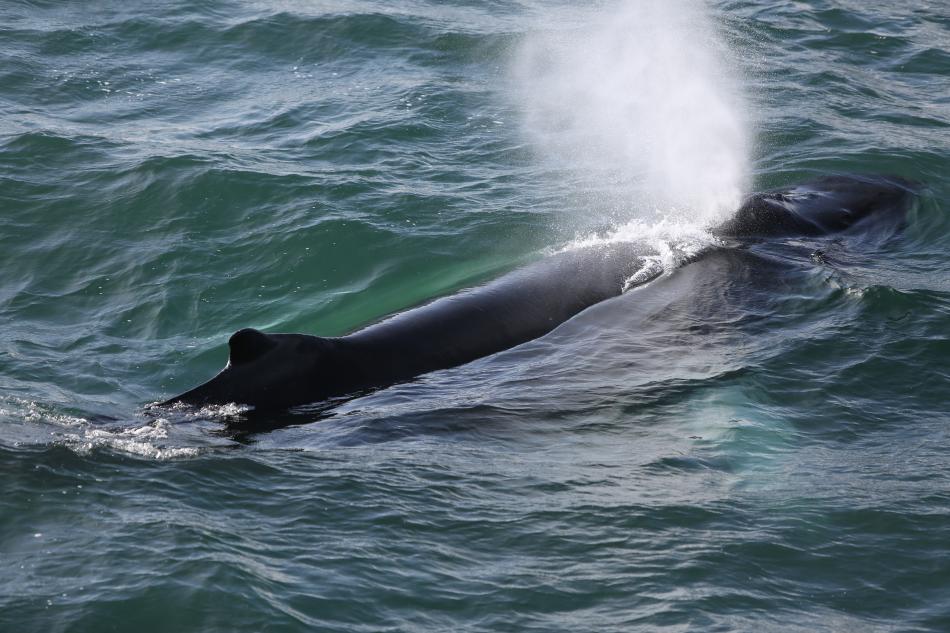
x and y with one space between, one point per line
270 371
872 206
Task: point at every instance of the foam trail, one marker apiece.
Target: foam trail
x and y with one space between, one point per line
641 105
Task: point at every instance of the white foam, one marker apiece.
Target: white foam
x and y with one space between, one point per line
146 438
188 412
146 441
668 243
30 411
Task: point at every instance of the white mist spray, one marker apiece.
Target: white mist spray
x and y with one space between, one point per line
640 104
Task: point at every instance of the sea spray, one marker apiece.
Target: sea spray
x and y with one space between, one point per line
641 105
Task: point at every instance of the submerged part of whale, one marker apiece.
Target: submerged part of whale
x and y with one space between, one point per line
278 371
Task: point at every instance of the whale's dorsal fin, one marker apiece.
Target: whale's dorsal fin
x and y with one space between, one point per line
248 345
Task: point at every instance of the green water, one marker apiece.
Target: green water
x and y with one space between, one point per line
734 447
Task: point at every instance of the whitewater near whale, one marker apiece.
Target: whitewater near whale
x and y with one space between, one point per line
280 371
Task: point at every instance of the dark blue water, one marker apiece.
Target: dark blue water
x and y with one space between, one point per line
754 441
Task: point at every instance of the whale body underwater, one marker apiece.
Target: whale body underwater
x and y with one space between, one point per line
279 371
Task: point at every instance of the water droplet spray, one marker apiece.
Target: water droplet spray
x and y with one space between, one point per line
637 100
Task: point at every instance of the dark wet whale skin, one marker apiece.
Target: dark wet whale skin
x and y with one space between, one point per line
279 371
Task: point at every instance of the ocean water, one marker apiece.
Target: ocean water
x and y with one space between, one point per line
759 442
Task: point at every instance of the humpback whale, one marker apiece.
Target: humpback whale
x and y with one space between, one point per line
280 371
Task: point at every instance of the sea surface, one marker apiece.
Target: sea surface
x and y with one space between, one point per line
734 447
